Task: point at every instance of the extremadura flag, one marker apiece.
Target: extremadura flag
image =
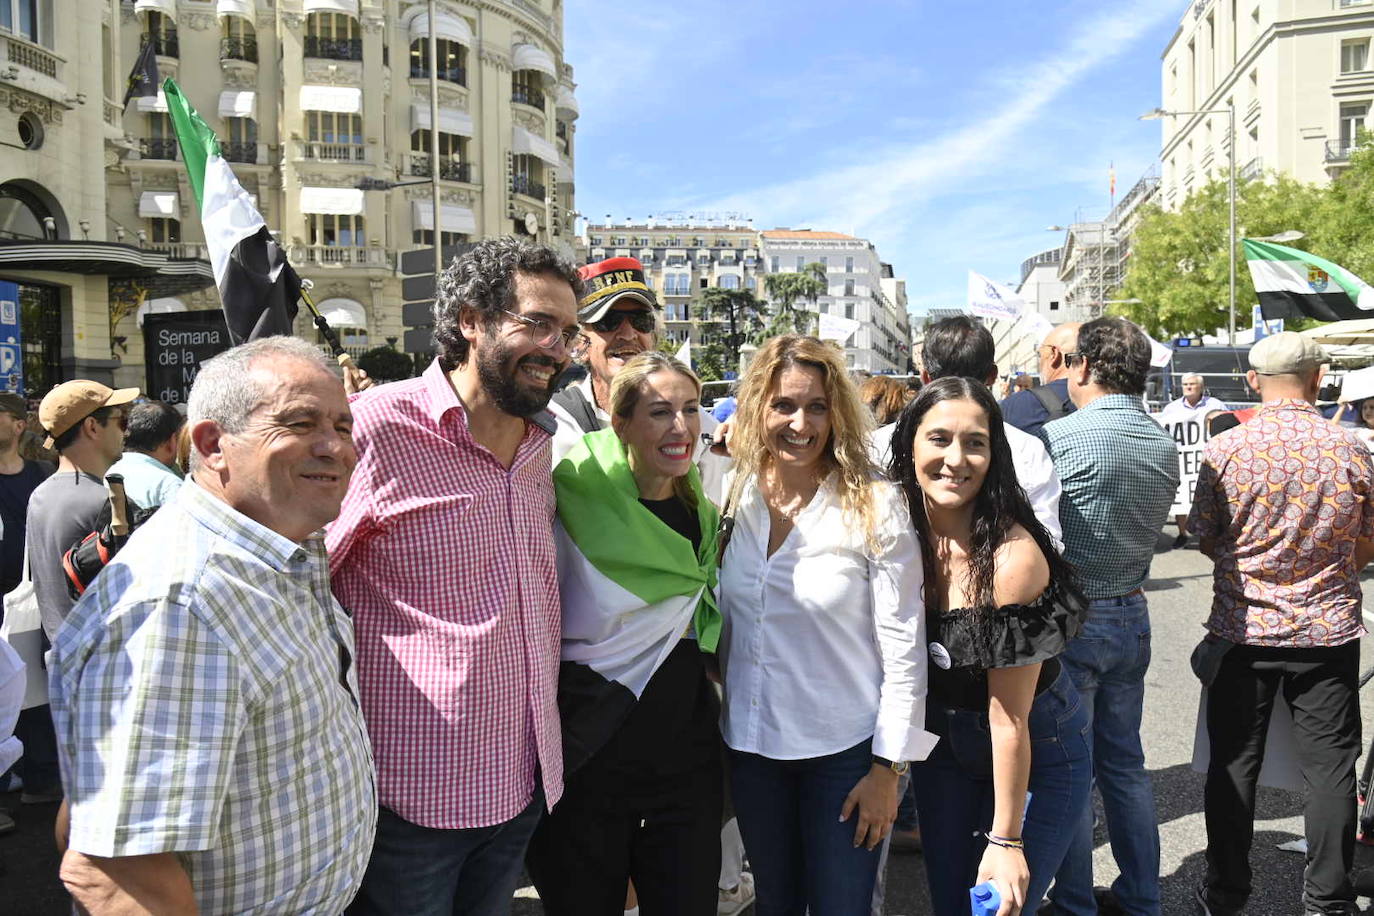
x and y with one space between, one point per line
1295 284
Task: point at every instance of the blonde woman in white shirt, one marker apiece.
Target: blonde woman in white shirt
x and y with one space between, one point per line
822 648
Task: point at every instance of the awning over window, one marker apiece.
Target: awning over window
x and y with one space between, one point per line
236 103
446 25
456 219
240 8
159 204
337 201
530 57
167 8
524 142
331 6
451 120
343 313
153 102
332 98
567 104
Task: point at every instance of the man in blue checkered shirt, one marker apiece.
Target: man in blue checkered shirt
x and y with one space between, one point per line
1118 471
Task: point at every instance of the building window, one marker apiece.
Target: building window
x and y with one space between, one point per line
527 88
677 285
240 140
528 176
453 60
729 281
453 155
1054 305
705 282
21 214
824 262
238 40
1355 55
162 32
161 140
426 237
31 19
1353 115
849 310
334 230
333 127
774 267
164 231
849 265
849 287
333 36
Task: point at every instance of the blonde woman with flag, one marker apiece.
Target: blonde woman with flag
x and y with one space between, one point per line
636 543
822 644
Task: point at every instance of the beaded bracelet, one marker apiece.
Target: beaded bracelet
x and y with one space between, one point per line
1006 842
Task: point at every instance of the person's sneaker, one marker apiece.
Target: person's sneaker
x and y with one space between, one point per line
46 797
1107 904
738 898
1180 542
6 823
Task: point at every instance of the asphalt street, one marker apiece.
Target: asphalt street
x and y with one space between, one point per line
1180 593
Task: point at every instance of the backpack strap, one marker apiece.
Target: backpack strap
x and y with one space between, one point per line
576 404
1050 400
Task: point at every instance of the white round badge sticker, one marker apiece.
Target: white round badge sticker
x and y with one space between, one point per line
940 655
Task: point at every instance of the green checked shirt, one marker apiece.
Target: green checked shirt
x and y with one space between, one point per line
205 703
1118 470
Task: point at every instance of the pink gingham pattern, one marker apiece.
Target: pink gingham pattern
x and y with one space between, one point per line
446 560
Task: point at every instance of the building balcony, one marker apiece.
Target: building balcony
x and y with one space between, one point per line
523 184
456 75
333 48
239 151
345 256
158 147
32 57
114 115
244 49
1251 170
527 96
417 164
332 152
163 45
187 250
1339 150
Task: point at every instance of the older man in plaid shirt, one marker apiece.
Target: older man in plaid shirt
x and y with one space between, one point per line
1118 471
211 742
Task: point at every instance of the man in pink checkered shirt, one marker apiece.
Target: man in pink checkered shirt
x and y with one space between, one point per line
443 552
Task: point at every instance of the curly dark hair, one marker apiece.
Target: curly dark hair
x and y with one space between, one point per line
1118 353
1000 503
483 279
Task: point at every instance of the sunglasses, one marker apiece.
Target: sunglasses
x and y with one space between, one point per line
641 320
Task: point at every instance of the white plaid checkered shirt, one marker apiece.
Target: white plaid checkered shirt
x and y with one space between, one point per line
198 691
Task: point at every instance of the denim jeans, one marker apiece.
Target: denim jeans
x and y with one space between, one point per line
1107 661
802 854
424 871
954 793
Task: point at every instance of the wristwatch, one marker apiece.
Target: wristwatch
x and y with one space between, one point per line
899 767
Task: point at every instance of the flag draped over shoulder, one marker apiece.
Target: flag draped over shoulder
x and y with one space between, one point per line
1294 284
257 287
630 586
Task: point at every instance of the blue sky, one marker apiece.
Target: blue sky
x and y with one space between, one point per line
949 133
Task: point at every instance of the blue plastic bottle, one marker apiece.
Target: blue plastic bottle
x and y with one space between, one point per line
984 899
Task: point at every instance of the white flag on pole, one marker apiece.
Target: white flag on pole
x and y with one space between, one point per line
833 327
684 352
1035 324
993 300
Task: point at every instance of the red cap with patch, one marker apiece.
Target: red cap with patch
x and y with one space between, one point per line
610 281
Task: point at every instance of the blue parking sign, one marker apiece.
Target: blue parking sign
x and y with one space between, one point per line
11 346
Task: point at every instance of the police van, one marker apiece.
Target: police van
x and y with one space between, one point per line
1223 374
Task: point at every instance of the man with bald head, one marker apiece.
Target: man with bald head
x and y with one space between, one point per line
1030 409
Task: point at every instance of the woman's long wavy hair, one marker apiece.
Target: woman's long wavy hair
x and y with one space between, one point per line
999 505
851 424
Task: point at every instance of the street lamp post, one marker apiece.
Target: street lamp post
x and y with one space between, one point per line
1230 112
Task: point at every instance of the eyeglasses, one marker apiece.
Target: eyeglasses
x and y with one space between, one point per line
119 417
1071 358
546 336
640 319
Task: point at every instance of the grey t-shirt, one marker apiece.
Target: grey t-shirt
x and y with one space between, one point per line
62 510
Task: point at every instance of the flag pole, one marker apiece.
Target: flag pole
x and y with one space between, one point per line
332 338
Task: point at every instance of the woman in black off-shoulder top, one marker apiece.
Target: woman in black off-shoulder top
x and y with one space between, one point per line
999 795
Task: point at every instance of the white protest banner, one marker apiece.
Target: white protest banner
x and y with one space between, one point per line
1189 432
993 300
834 327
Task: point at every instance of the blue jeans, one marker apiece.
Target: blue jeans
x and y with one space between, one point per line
424 871
789 816
955 798
1108 660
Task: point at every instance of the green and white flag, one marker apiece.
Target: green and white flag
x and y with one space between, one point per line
1295 284
631 588
257 287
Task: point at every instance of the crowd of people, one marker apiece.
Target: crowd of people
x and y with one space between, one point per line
383 652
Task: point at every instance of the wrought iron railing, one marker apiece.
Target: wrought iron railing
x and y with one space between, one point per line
159 148
527 96
418 165
456 75
239 151
243 48
164 45
333 48
524 184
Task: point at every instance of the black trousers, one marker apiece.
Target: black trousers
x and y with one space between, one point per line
593 841
1319 686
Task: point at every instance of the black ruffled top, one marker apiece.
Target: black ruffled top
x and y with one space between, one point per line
963 643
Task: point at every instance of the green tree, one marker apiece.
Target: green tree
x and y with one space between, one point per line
1344 233
727 318
1178 267
385 364
784 292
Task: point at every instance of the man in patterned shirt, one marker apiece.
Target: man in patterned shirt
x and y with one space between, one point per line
444 553
1118 473
1285 506
212 746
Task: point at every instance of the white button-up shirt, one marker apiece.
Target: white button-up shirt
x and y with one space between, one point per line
823 643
